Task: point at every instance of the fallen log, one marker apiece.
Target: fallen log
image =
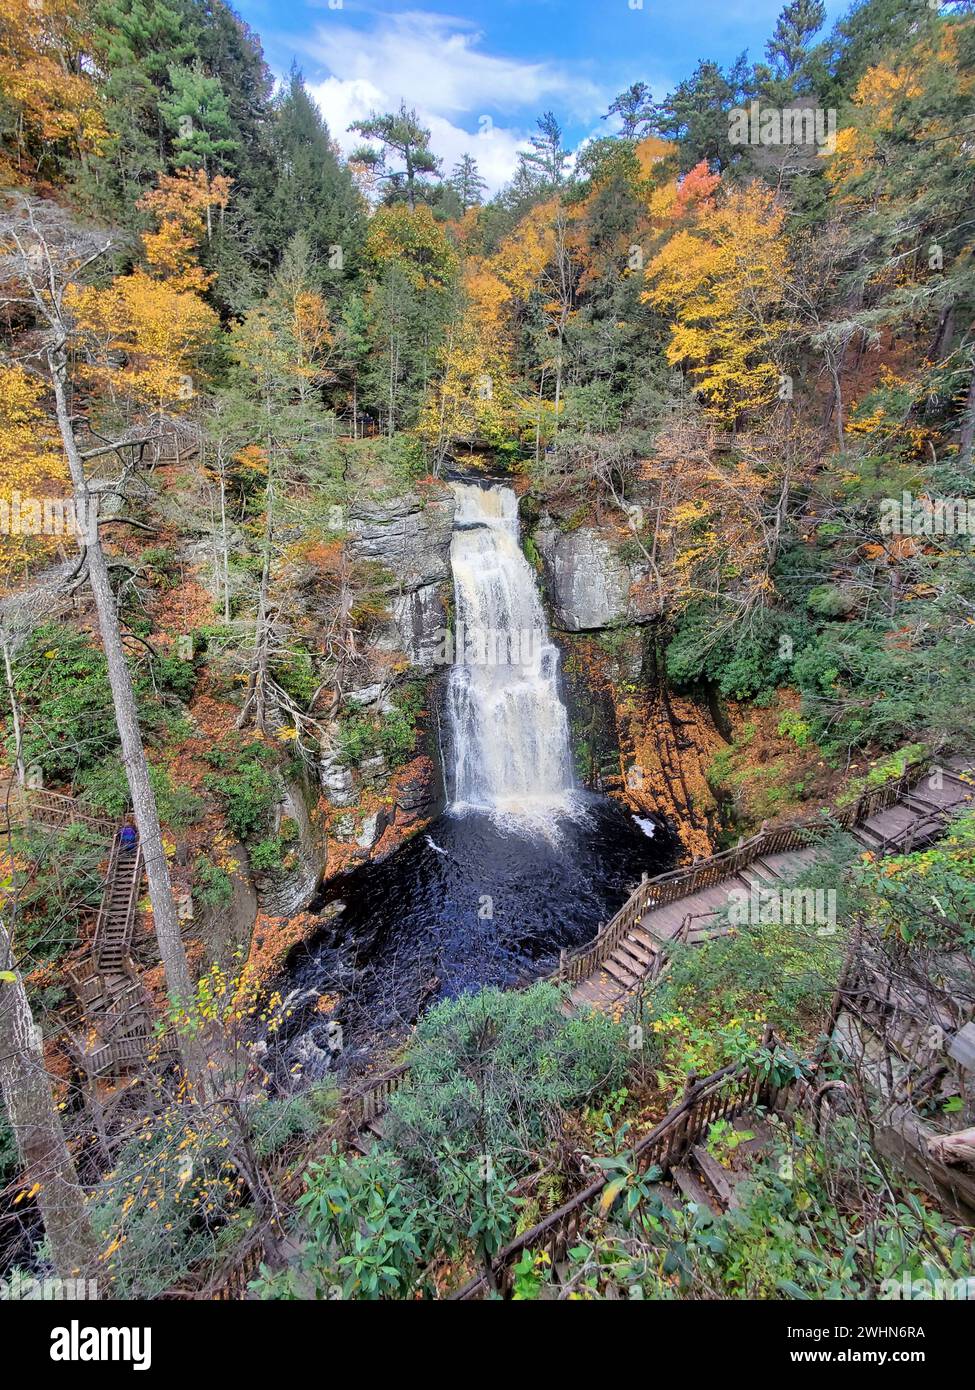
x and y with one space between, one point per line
953 1148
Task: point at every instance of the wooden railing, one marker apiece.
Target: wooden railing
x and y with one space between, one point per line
652 893
114 925
226 1281
98 941
358 1110
19 804
119 1054
725 1095
84 979
366 1104
234 1286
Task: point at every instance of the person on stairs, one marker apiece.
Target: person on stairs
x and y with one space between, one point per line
128 835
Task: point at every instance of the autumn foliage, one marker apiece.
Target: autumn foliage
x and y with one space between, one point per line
722 280
149 328
47 101
30 463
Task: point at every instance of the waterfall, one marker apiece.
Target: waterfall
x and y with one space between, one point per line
510 731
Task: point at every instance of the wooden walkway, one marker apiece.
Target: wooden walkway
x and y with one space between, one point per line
23 805
115 1010
116 1005
637 939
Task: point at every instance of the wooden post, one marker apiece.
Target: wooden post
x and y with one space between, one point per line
681 1144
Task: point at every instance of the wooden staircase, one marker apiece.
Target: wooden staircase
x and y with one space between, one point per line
116 914
700 1178
116 1006
636 957
676 1146
116 1015
690 904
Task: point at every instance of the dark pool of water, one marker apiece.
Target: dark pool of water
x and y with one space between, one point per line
471 902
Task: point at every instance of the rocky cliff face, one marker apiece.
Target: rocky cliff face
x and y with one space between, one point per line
410 537
637 740
588 585
372 804
291 890
632 737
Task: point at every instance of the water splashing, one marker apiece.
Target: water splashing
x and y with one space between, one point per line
509 726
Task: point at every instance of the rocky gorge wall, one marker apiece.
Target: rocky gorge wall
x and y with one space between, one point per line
589 586
409 536
371 804
352 810
633 737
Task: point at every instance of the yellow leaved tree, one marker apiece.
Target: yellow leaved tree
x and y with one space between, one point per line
721 279
31 468
47 102
412 239
184 204
475 397
285 344
151 327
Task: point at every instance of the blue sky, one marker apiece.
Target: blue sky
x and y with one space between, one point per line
480 71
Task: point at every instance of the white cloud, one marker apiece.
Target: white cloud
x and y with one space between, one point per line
462 93
341 102
437 60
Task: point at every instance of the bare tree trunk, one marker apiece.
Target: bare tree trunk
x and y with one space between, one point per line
564 291
943 334
14 715
838 406
967 437
37 1126
256 697
538 421
393 374
225 557
164 916
257 685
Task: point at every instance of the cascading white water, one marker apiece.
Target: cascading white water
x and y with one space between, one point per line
510 731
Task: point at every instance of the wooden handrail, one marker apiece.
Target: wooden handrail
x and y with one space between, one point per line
359 1108
53 809
680 883
105 907
365 1104
724 1095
